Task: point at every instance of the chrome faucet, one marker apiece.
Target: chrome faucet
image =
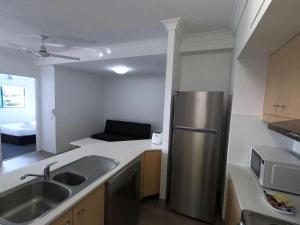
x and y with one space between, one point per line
46 174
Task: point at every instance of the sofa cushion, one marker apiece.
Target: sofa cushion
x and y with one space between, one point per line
130 129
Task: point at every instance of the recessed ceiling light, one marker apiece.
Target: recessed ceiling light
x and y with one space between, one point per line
120 69
108 51
100 54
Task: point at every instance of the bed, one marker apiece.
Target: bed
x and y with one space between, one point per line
18 133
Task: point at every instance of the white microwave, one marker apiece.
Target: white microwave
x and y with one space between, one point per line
276 169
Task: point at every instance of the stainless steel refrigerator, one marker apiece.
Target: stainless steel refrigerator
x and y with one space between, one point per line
195 157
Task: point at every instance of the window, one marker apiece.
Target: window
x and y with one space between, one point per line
12 97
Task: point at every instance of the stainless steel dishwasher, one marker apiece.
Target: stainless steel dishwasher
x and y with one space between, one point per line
122 196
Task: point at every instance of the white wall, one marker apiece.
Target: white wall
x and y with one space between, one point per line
207 71
16 63
135 99
248 83
247 128
13 115
79 106
46 119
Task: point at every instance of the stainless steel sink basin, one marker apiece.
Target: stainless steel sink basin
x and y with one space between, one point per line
69 179
27 202
21 205
93 165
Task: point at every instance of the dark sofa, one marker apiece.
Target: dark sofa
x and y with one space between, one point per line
123 131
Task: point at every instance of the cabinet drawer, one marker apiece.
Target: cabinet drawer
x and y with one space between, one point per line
65 219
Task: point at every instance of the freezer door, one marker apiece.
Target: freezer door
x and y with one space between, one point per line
195 159
201 110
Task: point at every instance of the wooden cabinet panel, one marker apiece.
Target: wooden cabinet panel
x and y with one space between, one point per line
282 95
65 219
150 173
90 210
233 210
292 72
272 119
273 91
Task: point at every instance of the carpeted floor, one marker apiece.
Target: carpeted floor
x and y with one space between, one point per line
11 151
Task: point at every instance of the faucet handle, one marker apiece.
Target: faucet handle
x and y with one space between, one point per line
50 164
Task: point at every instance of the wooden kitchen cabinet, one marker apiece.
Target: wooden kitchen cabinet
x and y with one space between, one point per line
282 94
233 210
65 219
150 173
90 210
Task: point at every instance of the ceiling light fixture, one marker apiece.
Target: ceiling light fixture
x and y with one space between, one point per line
120 69
100 54
108 51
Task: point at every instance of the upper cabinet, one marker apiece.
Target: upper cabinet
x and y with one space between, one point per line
265 25
282 96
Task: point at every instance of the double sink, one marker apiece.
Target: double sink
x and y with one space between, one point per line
25 203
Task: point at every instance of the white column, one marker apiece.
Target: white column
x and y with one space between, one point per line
174 29
46 129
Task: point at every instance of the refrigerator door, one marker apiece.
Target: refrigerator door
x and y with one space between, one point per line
195 159
199 110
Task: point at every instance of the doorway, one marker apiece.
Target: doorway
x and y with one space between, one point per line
17 115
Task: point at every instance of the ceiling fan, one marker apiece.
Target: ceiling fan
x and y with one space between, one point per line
43 52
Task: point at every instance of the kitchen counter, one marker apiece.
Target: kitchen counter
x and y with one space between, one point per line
124 152
250 194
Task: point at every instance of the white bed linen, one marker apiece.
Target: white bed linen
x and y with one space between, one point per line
18 129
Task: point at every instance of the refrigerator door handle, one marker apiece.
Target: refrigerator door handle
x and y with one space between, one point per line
195 129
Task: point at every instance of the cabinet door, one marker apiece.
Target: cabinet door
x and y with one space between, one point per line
233 210
150 173
65 219
274 85
292 74
90 210
282 97
273 119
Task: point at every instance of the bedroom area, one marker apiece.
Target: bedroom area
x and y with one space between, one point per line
17 115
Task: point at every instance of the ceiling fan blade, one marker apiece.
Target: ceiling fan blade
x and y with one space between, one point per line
22 47
64 57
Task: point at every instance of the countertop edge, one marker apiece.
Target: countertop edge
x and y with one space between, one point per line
125 152
249 194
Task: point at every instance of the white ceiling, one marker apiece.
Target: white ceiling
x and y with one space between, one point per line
142 66
107 21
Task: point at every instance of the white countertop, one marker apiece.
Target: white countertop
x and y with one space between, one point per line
250 194
124 152
85 141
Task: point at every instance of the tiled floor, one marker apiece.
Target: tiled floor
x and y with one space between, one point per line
154 213
24 160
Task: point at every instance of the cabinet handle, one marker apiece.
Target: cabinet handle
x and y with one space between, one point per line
283 106
276 105
80 215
